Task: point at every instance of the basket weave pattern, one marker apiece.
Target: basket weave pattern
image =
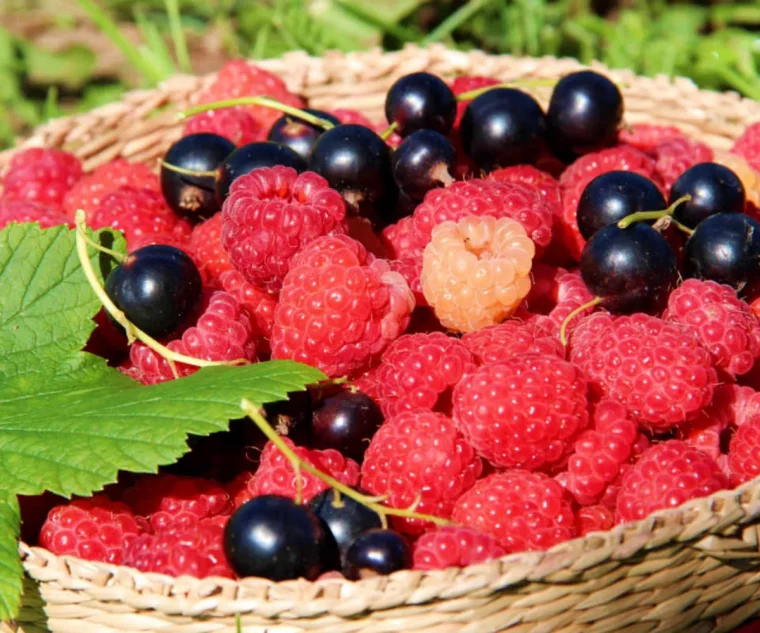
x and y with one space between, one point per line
691 570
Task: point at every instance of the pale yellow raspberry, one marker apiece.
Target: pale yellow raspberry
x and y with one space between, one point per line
475 272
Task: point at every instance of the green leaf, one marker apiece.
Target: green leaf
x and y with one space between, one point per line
10 564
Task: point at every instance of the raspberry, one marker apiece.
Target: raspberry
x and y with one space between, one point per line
223 333
492 198
404 247
271 214
420 458
206 247
418 371
88 193
467 83
26 211
724 324
140 214
452 546
655 368
475 272
351 117
748 145
600 452
339 309
259 304
556 293
499 343
234 124
744 452
666 476
196 550
574 180
94 529
546 185
597 518
275 475
524 413
238 78
176 503
525 511
42 175
676 155
749 177
646 137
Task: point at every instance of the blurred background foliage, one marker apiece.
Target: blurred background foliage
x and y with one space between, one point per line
63 56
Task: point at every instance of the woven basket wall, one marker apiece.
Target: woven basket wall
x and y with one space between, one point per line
691 570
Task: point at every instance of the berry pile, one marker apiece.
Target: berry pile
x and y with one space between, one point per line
548 322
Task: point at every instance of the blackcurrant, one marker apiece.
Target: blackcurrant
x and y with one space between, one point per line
585 112
355 161
273 537
614 195
346 422
502 127
725 248
253 156
423 161
376 552
343 521
297 134
713 189
190 196
157 287
420 101
631 269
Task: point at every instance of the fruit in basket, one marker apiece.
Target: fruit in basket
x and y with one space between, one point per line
420 101
712 188
346 422
423 161
376 552
297 134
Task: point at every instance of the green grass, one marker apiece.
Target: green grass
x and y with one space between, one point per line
718 45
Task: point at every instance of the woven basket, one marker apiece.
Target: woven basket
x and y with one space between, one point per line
690 570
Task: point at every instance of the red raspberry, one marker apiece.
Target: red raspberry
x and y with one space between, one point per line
352 117
600 452
748 145
94 529
556 293
404 248
339 308
140 214
88 193
238 78
223 333
26 211
275 475
176 503
524 413
676 155
744 452
206 248
418 371
453 546
655 368
42 175
525 511
544 183
666 476
724 324
646 137
259 304
597 518
467 83
234 124
574 180
271 214
419 457
196 550
499 343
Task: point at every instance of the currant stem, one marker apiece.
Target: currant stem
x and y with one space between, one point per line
519 83
119 257
267 102
254 412
188 172
641 216
563 329
388 132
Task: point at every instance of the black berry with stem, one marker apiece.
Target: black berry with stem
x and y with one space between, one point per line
585 112
346 422
712 188
194 196
377 552
297 134
254 156
612 196
420 101
274 537
344 519
725 248
423 161
157 287
502 127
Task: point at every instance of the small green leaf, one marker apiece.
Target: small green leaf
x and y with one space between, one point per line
10 564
